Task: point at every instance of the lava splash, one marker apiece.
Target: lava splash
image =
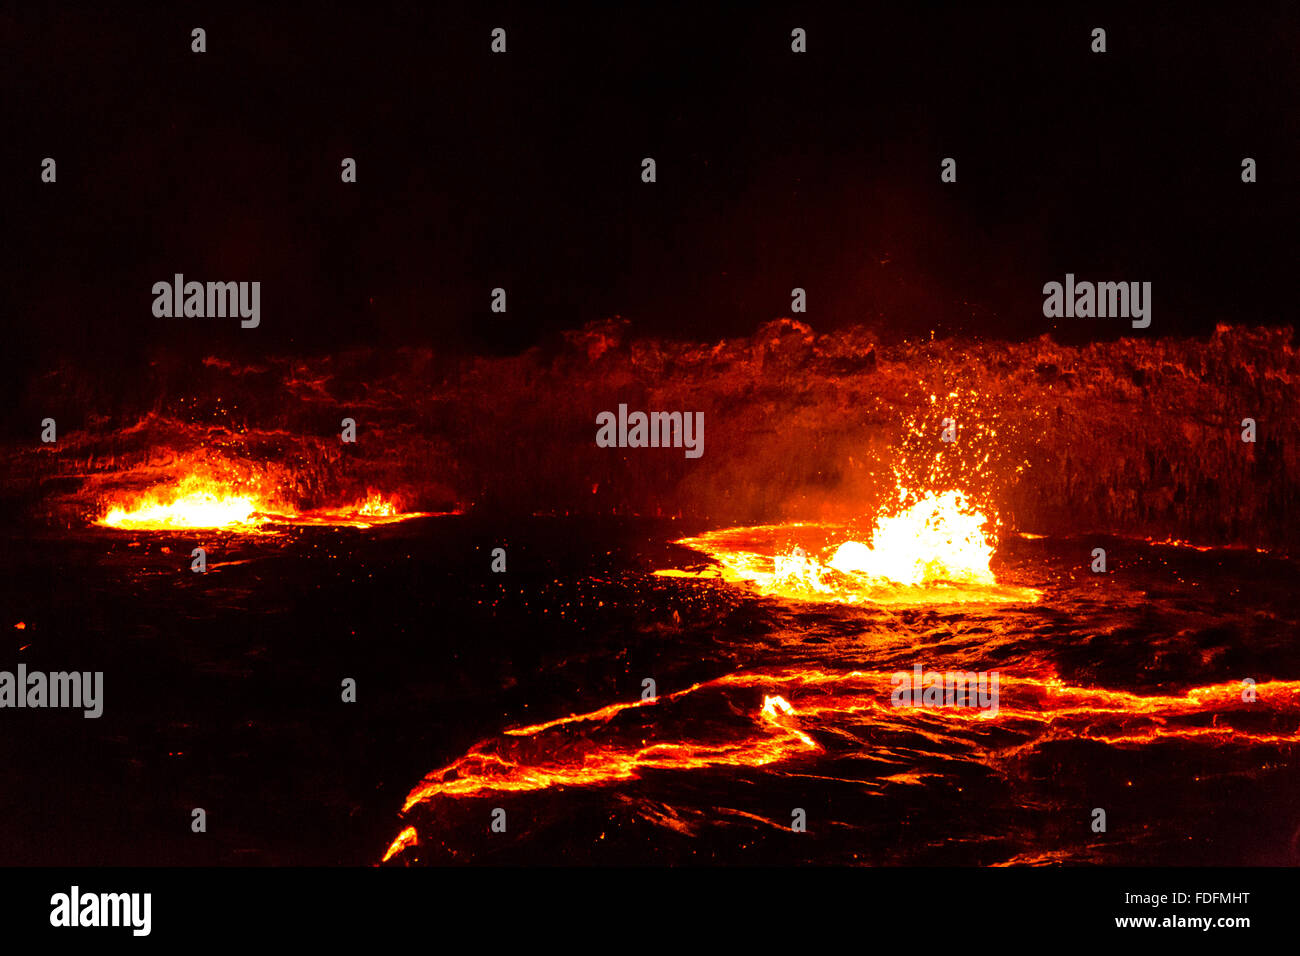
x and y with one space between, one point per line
934 551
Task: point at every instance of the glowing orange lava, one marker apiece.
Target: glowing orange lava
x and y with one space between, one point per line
201 500
938 539
193 503
534 758
853 713
407 837
935 550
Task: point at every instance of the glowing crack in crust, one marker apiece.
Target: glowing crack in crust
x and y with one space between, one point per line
614 744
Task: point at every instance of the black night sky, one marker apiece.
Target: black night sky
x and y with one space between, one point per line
522 171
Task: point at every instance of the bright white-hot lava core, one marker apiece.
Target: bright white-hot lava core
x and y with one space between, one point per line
193 503
940 538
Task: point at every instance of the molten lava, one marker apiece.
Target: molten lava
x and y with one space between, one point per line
407 837
554 754
202 500
935 550
938 539
194 503
853 714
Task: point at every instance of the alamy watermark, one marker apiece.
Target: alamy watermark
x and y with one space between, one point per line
651 430
79 690
923 688
75 909
212 300
1099 300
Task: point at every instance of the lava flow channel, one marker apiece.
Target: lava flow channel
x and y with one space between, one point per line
857 714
